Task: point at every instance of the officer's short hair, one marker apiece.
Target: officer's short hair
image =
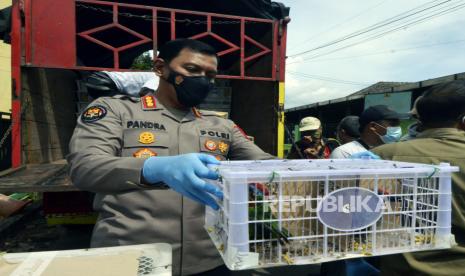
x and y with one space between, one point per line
171 49
443 103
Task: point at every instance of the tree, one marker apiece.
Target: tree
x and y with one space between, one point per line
143 62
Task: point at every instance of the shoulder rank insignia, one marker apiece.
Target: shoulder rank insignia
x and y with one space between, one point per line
148 102
211 145
93 114
196 112
146 137
144 153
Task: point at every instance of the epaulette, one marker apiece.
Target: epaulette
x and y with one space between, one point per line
148 102
220 114
126 97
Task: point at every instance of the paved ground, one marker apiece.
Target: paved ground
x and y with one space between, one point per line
29 232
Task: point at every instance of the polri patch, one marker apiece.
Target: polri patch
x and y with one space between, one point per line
93 113
214 134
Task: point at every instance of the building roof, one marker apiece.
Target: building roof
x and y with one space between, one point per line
383 87
379 87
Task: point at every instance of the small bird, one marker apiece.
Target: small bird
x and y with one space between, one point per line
267 227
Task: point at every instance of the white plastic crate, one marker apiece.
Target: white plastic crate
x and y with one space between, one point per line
283 212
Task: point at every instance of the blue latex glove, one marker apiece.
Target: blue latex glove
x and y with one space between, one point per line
365 155
183 174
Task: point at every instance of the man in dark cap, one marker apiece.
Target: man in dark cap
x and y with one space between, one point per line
378 125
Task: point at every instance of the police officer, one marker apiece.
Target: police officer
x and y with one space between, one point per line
145 158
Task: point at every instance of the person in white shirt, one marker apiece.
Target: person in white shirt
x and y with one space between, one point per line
348 132
378 125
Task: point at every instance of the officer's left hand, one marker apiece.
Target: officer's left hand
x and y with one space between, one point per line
183 174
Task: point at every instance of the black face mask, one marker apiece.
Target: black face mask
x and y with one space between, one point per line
191 91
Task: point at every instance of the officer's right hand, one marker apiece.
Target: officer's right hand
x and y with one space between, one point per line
365 155
183 174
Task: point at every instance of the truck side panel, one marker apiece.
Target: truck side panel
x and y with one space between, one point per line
50 114
254 106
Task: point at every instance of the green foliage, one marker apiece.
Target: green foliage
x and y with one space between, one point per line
267 229
143 62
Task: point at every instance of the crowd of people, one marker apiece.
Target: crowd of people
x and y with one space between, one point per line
438 135
377 125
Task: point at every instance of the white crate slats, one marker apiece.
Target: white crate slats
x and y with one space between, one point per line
281 212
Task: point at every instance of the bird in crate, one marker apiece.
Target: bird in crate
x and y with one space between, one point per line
266 226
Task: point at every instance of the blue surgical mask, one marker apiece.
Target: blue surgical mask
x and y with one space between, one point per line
393 135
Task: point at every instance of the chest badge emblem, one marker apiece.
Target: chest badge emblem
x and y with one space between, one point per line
211 145
144 153
223 147
146 138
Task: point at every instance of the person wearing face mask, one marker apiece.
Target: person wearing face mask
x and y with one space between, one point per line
146 159
441 111
312 144
378 125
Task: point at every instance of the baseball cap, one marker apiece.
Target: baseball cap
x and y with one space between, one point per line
378 113
309 123
351 125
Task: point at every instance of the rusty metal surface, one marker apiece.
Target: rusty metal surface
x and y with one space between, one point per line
70 40
16 54
50 177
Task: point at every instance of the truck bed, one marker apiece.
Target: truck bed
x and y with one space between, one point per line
50 177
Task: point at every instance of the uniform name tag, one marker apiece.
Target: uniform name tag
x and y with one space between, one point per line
145 124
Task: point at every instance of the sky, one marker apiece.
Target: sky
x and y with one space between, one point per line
430 49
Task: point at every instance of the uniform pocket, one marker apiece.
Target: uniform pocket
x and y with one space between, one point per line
144 143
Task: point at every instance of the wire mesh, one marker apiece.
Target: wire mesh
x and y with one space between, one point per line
271 210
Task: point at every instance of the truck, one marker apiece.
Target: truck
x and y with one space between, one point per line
56 44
